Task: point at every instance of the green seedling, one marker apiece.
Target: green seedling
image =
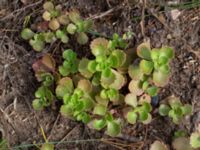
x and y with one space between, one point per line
57 19
104 64
195 140
70 63
49 37
78 102
175 110
117 42
62 36
53 15
154 63
38 42
140 112
112 126
43 98
79 26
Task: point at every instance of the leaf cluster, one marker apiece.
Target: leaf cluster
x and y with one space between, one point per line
58 24
175 110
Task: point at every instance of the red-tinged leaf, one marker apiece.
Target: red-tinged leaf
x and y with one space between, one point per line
42 26
44 65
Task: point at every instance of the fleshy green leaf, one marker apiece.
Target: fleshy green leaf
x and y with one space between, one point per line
88 103
99 124
113 128
66 110
65 85
131 99
69 55
85 118
167 51
155 54
113 94
144 51
49 37
99 46
160 79
164 69
66 98
37 45
48 6
119 80
74 16
121 57
132 117
83 68
135 72
143 115
104 94
92 66
63 19
107 77
187 109
148 120
85 85
146 66
164 110
64 71
101 101
54 24
134 87
82 38
27 34
175 117
37 104
146 107
162 60
152 91
46 16
71 28
100 110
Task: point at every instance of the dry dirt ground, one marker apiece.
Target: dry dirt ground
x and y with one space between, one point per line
20 124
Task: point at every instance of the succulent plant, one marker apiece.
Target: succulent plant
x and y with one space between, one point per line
140 110
154 63
61 24
43 98
175 109
78 102
70 63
